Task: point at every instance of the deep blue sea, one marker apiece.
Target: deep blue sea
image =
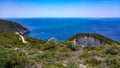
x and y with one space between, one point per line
63 28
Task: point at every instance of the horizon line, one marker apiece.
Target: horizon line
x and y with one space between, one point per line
59 17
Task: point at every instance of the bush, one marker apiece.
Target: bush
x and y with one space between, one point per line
72 64
93 61
12 59
72 47
52 65
51 56
89 48
113 62
47 46
113 50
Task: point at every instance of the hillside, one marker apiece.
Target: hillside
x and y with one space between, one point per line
9 26
40 54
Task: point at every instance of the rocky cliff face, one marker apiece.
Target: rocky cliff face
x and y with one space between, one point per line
91 40
88 41
8 26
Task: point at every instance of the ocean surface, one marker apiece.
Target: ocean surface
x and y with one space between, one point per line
64 28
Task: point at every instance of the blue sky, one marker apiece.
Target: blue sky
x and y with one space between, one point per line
60 8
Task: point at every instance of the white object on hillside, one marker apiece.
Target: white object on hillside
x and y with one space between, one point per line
23 39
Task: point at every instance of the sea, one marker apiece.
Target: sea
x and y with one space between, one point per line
64 28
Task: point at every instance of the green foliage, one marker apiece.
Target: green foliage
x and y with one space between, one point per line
113 50
12 59
71 46
113 62
47 46
52 65
7 38
8 26
15 54
53 56
33 41
49 56
93 61
90 48
72 64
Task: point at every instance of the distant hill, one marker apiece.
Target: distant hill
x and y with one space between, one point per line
9 26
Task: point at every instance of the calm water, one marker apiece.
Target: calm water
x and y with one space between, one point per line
63 28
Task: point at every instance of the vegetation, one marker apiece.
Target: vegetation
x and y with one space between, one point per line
38 53
8 26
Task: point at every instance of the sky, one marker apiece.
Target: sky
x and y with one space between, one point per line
60 8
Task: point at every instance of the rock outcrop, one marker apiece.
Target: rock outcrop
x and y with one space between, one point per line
91 40
8 26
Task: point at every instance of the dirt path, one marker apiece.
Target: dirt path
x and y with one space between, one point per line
23 39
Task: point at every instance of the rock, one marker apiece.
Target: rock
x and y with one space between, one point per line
90 40
82 66
87 41
52 40
99 58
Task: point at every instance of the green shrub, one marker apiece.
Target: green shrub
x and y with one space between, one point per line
12 59
113 50
113 62
93 61
72 64
90 48
52 65
47 46
71 46
51 56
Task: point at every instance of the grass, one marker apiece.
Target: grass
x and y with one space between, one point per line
38 53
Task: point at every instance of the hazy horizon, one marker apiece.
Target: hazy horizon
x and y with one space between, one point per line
60 17
60 9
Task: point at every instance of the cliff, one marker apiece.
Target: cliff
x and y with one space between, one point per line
91 40
9 26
